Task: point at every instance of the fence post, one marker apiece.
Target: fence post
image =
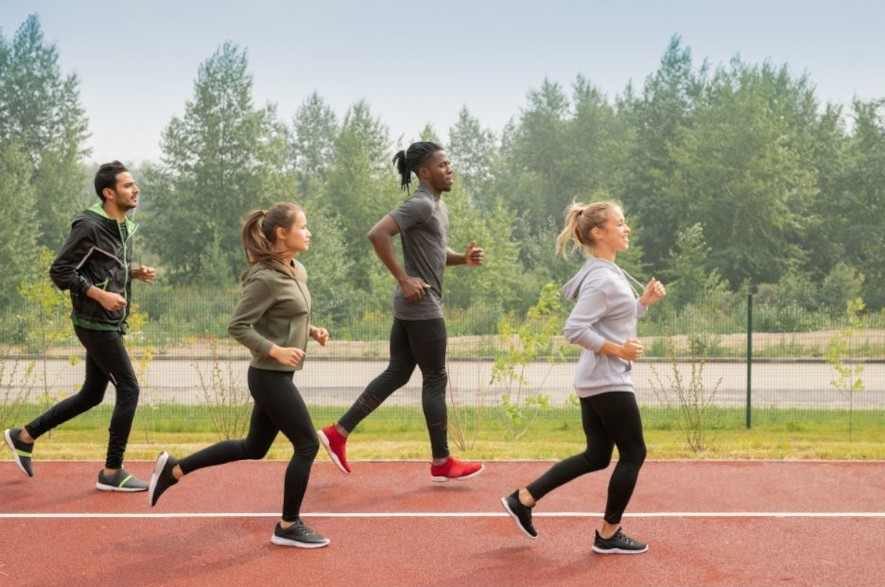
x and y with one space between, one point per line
749 360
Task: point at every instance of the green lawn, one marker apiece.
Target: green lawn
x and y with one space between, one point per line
399 433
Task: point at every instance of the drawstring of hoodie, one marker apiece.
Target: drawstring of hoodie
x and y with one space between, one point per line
630 278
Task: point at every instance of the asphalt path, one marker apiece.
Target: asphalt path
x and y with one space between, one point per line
339 382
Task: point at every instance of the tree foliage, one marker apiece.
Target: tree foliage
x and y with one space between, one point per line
221 159
734 178
40 112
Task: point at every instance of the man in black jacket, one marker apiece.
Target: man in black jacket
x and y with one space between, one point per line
94 264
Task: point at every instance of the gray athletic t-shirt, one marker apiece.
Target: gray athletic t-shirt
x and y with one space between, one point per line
423 222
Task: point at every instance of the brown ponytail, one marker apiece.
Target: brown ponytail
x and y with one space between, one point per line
259 234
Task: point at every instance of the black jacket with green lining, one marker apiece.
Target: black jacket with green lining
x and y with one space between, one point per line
98 252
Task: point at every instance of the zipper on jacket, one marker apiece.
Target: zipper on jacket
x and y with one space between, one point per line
126 277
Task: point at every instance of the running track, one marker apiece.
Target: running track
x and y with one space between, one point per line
707 522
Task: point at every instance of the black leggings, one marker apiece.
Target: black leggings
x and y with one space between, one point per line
610 419
278 408
412 342
106 361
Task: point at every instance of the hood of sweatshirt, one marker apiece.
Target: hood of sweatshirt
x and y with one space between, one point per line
592 265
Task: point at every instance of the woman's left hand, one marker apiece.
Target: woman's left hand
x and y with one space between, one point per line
321 335
654 291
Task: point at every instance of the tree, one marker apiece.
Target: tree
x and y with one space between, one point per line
314 129
658 118
862 201
362 187
474 153
495 287
536 152
599 143
18 239
687 277
745 170
40 110
223 158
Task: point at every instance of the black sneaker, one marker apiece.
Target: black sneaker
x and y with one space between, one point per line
298 534
120 481
162 478
619 543
22 451
521 514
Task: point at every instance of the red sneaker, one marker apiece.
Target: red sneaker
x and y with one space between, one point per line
334 443
454 469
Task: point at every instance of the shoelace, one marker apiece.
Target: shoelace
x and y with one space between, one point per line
302 527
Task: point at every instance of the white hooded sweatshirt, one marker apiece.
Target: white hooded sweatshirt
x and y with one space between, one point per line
606 308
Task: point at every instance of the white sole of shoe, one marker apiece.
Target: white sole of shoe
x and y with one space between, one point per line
516 518
287 542
443 479
155 476
103 487
618 551
324 440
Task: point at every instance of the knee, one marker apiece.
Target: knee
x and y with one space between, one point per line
127 395
436 379
635 456
307 450
641 454
93 400
596 460
252 450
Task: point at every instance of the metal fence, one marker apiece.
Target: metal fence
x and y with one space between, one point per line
837 372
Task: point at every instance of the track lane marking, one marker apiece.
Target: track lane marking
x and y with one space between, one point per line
64 515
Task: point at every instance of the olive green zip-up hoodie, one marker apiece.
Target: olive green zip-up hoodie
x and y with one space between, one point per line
274 309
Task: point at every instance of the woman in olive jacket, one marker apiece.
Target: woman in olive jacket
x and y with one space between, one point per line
272 320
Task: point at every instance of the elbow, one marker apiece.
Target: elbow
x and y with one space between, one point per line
572 333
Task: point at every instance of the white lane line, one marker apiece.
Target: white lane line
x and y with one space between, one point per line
65 515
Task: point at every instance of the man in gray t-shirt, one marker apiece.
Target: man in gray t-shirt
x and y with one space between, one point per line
418 336
423 223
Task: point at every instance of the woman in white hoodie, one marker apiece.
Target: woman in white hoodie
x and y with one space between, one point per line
603 322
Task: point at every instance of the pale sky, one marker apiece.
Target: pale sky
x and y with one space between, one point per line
420 62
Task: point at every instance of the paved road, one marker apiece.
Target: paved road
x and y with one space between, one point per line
339 382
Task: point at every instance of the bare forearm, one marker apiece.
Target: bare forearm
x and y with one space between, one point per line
453 258
383 245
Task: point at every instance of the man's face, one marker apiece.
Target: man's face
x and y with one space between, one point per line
438 170
125 194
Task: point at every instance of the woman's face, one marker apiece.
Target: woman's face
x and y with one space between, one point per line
297 238
614 234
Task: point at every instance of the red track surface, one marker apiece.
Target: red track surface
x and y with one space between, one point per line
390 547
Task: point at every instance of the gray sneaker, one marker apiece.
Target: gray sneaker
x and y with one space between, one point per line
298 534
619 543
120 481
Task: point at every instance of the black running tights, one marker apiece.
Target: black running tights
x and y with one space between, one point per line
106 361
412 342
278 408
610 419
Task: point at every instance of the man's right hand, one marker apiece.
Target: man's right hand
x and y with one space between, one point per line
413 288
109 300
